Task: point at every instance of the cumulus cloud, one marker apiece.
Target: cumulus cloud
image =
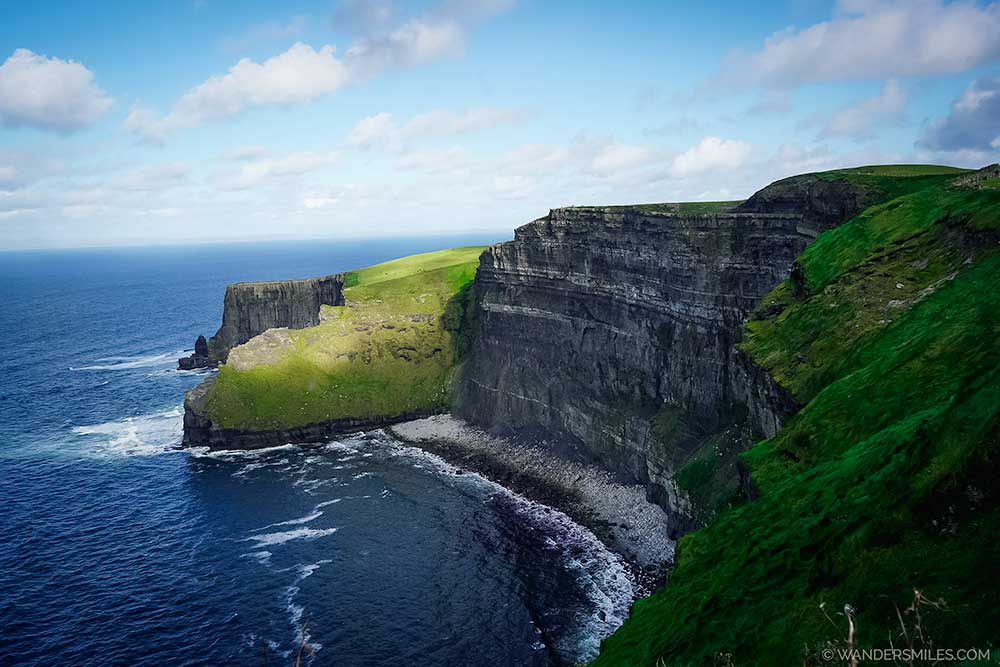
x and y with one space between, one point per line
49 93
875 39
710 154
860 119
973 123
416 42
300 74
382 130
303 74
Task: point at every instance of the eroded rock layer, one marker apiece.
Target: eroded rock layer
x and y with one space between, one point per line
613 330
250 309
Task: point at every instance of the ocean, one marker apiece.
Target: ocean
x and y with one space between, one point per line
119 548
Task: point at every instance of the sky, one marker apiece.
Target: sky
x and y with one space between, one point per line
185 121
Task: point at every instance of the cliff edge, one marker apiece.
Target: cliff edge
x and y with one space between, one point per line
250 309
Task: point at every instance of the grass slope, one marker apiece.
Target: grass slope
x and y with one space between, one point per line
390 350
885 482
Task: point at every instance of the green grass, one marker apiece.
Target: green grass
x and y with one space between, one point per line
990 184
678 208
903 170
390 350
885 481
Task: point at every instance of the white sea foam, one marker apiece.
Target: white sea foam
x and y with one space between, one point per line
143 435
601 573
126 363
230 454
293 522
295 611
272 539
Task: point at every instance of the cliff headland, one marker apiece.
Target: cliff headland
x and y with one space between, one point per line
806 382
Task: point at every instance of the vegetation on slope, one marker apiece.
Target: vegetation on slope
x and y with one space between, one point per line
390 350
884 483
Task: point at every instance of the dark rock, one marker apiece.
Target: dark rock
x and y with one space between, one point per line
201 347
250 309
594 325
200 431
199 359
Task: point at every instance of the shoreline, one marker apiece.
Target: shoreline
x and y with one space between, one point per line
618 514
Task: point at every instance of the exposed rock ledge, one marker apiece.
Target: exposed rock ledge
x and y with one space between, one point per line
618 513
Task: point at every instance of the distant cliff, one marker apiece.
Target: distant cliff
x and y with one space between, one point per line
250 309
614 330
383 352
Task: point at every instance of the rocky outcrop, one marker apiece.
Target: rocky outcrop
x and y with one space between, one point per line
978 178
820 202
250 309
200 358
614 331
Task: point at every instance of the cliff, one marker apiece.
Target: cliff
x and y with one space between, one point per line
876 504
614 330
383 352
250 309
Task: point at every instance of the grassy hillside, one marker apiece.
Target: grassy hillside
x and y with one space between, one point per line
390 350
881 492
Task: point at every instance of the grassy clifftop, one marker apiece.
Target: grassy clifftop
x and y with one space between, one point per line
881 492
390 350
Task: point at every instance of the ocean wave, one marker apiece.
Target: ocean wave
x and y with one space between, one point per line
601 574
273 539
126 363
230 454
142 435
315 514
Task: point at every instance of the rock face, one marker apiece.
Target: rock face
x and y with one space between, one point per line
251 309
200 431
199 359
613 331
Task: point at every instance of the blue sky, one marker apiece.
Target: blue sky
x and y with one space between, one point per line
187 121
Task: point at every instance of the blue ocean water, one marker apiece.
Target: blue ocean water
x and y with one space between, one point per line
116 548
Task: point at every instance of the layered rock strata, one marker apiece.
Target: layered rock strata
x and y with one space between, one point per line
250 309
613 331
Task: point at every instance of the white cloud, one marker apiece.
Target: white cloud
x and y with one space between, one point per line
875 39
303 74
447 160
245 152
155 177
616 157
382 130
973 123
858 120
8 176
416 42
294 164
49 93
300 74
266 32
710 154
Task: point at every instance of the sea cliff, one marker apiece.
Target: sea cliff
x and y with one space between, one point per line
250 309
807 382
614 330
